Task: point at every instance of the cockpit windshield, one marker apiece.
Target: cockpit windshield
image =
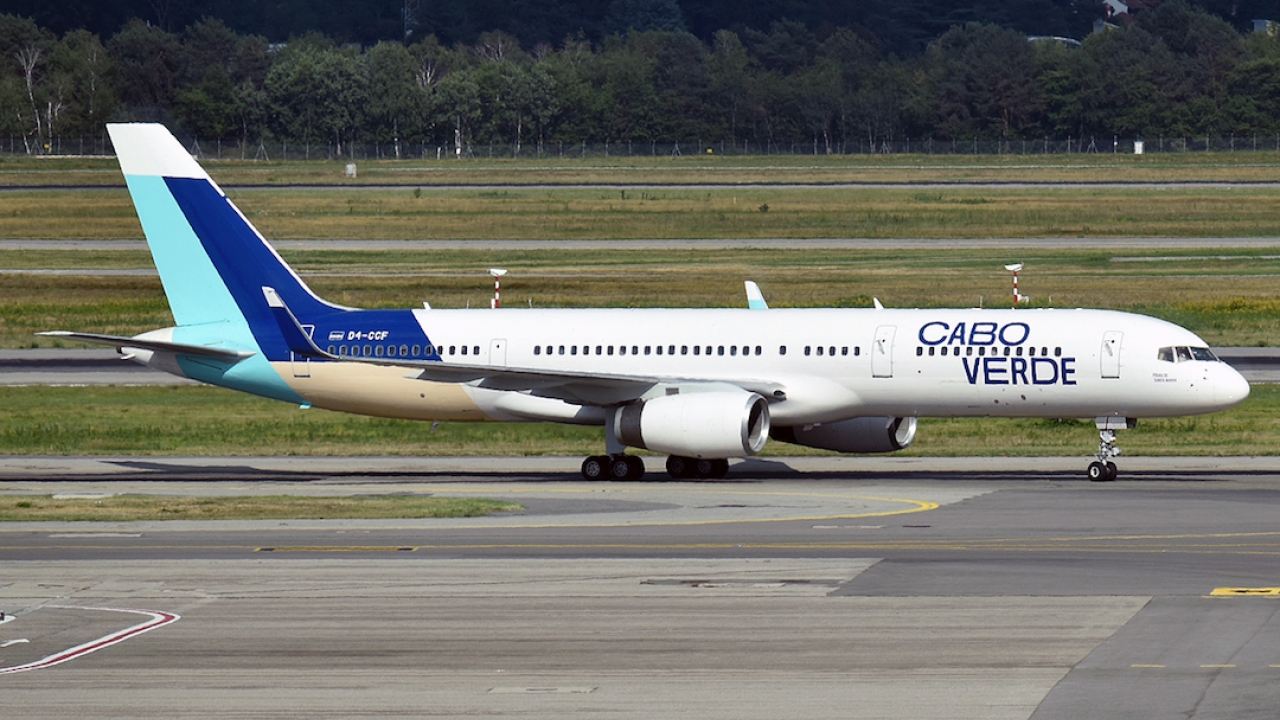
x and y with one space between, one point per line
1183 353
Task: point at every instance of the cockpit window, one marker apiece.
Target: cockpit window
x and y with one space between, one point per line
1202 353
1185 354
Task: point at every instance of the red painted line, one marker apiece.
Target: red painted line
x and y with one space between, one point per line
158 619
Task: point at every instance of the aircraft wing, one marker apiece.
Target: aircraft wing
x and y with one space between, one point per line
575 387
120 341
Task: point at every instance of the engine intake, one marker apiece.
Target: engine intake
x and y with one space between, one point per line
856 435
700 425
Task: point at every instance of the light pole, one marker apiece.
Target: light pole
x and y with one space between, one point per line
497 274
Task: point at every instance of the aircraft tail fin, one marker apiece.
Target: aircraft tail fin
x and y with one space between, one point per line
213 263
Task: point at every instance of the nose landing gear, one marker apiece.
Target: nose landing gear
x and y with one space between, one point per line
1103 469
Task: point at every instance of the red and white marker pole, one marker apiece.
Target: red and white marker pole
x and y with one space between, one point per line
1014 268
497 287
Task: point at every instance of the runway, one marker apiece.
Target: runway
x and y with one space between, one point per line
798 588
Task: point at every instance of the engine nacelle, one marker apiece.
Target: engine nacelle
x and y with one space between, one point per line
856 435
700 425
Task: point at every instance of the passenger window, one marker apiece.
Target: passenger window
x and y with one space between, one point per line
646 349
1031 351
573 349
759 350
844 351
684 349
819 351
368 351
415 350
1006 351
671 349
1057 352
968 350
378 351
982 351
733 350
537 349
1165 354
404 350
831 351
807 350
782 349
464 349
720 350
857 350
561 349
932 350
391 351
1018 352
610 348
342 350
944 350
332 350
697 349
919 351
635 349
475 350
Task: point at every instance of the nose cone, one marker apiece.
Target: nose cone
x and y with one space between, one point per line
1229 387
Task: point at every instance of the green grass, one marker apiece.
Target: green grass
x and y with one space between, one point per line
208 421
131 508
677 213
1228 296
693 167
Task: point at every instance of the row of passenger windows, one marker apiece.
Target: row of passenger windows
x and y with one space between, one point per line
982 350
731 350
1184 354
401 351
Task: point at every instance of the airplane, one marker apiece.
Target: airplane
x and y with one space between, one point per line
699 385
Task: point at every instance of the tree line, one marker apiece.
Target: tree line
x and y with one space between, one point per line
1176 71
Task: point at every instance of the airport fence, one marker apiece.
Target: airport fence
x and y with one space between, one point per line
264 150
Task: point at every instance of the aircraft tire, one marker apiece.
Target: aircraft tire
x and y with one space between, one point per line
1098 472
679 467
595 467
1112 471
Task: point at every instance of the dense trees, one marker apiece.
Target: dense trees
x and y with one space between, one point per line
1176 72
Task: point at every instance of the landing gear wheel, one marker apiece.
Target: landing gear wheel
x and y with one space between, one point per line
719 468
637 467
703 468
595 467
1098 472
679 467
625 467
1112 471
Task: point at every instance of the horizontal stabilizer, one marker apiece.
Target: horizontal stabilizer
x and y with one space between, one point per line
120 341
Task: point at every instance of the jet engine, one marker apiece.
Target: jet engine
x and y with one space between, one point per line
856 435
700 425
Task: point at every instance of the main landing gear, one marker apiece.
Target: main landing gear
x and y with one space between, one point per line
620 466
686 467
1103 469
613 467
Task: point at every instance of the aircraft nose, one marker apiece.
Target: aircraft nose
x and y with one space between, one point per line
1229 387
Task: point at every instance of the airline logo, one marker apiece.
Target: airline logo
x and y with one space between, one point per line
1004 354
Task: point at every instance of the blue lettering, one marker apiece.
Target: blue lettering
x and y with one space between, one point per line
941 339
1068 371
1026 331
1019 370
971 373
957 335
991 374
984 330
1040 375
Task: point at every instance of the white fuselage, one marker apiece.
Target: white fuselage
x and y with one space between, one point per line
828 364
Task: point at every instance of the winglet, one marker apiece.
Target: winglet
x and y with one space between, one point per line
298 340
755 298
877 302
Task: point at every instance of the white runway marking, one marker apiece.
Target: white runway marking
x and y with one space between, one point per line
157 619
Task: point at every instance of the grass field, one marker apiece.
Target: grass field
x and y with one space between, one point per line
679 213
209 421
691 168
131 508
1227 296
